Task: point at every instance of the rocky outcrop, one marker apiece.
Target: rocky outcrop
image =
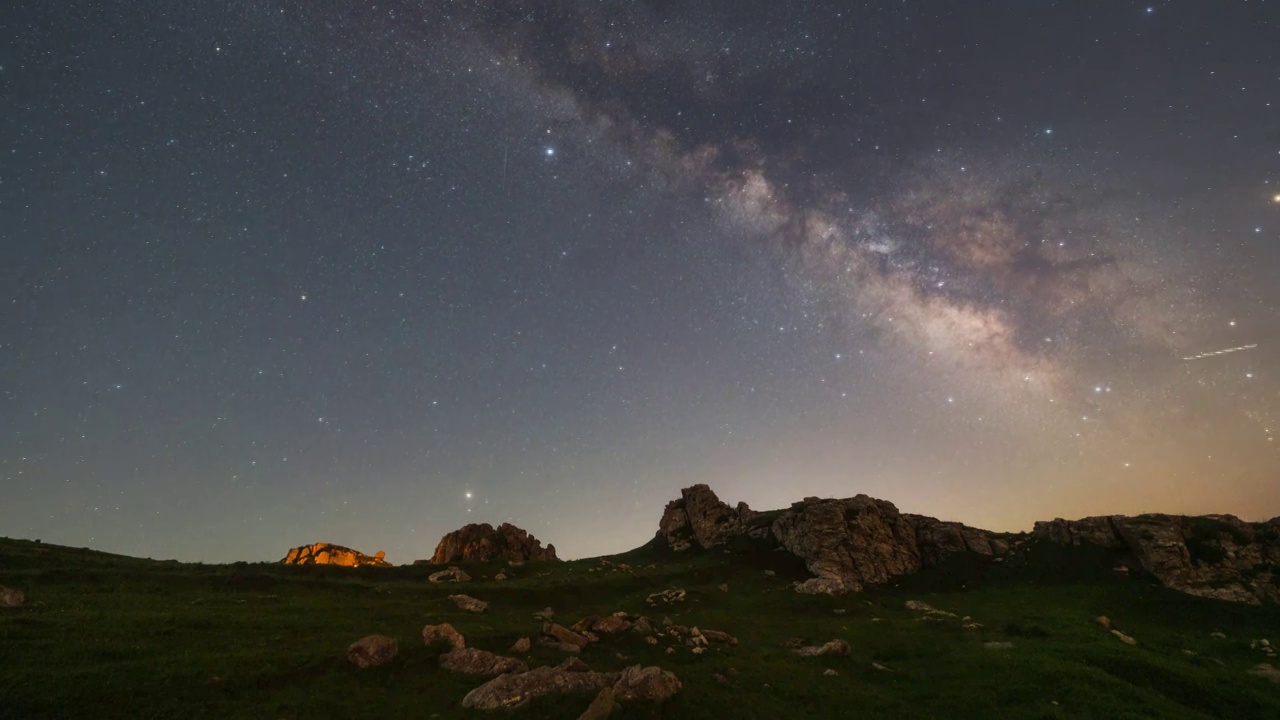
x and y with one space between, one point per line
330 554
846 543
1215 556
699 516
482 543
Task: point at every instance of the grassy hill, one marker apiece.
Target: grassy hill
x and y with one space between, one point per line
105 636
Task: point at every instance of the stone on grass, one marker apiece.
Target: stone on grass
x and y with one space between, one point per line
830 673
452 574
372 651
521 646
998 645
1104 621
610 624
1267 671
468 603
472 661
564 635
1124 638
835 647
444 632
10 597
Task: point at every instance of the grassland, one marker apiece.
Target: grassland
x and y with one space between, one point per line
105 636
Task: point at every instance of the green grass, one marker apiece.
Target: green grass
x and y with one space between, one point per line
106 636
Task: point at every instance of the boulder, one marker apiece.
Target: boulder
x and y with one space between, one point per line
444 632
330 554
372 650
834 647
480 662
10 597
610 624
514 690
483 543
468 603
646 684
858 541
452 574
562 634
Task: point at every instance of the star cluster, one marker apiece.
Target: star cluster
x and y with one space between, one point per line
292 272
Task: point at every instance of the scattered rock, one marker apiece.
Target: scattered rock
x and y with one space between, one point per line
468 603
770 573
372 651
642 626
10 597
452 574
545 615
444 632
840 611
998 645
830 673
500 576
1218 635
483 543
724 587
1264 643
671 651
881 668
919 606
564 635
602 707
513 690
698 650
1104 621
720 678
1124 638
720 637
330 554
648 684
521 646
651 640
480 662
834 647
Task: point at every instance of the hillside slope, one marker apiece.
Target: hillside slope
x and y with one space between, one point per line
107 636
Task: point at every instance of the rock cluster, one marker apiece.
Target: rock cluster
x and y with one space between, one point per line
330 554
846 543
1216 556
482 543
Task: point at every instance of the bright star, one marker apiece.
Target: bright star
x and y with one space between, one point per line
551 152
468 494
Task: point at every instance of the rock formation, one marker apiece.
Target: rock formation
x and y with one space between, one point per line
329 554
482 543
846 544
854 542
1216 556
700 516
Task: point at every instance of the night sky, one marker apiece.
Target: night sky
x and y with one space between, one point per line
276 273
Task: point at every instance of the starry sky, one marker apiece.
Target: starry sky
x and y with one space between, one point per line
279 272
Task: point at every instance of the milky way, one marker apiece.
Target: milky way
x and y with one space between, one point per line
298 272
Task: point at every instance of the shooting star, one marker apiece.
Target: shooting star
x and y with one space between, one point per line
1221 352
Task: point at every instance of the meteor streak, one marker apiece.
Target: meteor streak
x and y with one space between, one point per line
1221 352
